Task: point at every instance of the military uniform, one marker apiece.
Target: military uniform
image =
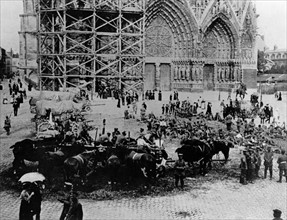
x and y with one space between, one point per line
179 167
243 168
268 163
282 165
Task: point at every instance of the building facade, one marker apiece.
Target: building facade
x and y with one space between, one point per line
278 56
188 44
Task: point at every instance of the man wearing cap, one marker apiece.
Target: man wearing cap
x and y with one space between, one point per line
277 214
268 162
282 165
179 168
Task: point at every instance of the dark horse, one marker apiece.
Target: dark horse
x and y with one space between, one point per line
78 165
141 163
31 150
52 159
195 150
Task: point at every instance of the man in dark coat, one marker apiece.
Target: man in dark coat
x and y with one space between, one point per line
268 162
159 95
15 107
282 165
36 201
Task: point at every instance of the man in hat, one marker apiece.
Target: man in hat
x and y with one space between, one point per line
179 167
277 214
268 162
282 165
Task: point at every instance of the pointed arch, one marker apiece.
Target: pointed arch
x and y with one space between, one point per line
178 17
224 39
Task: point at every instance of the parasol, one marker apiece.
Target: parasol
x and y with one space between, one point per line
32 177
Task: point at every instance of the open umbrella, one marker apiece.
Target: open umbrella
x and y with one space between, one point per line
32 177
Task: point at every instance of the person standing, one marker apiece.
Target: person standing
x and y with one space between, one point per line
268 163
36 200
25 212
166 109
15 107
179 167
162 109
282 165
208 110
159 95
170 97
258 162
243 168
7 125
250 166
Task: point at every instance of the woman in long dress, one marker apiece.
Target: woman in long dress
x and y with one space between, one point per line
25 207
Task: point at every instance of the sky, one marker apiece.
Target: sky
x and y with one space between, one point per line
271 22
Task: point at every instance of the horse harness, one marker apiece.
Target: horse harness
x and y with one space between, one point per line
137 156
79 158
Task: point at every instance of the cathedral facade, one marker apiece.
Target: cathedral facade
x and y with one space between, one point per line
200 44
187 45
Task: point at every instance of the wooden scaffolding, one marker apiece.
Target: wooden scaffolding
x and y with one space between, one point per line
82 43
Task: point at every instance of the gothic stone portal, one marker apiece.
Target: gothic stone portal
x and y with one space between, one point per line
159 51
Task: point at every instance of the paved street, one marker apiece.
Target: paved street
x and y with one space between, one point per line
222 200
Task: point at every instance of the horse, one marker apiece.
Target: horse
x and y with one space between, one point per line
78 165
52 159
241 91
141 163
113 166
195 150
31 150
222 146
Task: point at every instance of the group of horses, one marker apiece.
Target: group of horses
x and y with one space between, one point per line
77 162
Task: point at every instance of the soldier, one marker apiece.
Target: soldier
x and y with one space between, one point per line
7 125
179 167
282 165
258 162
243 168
268 162
250 166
